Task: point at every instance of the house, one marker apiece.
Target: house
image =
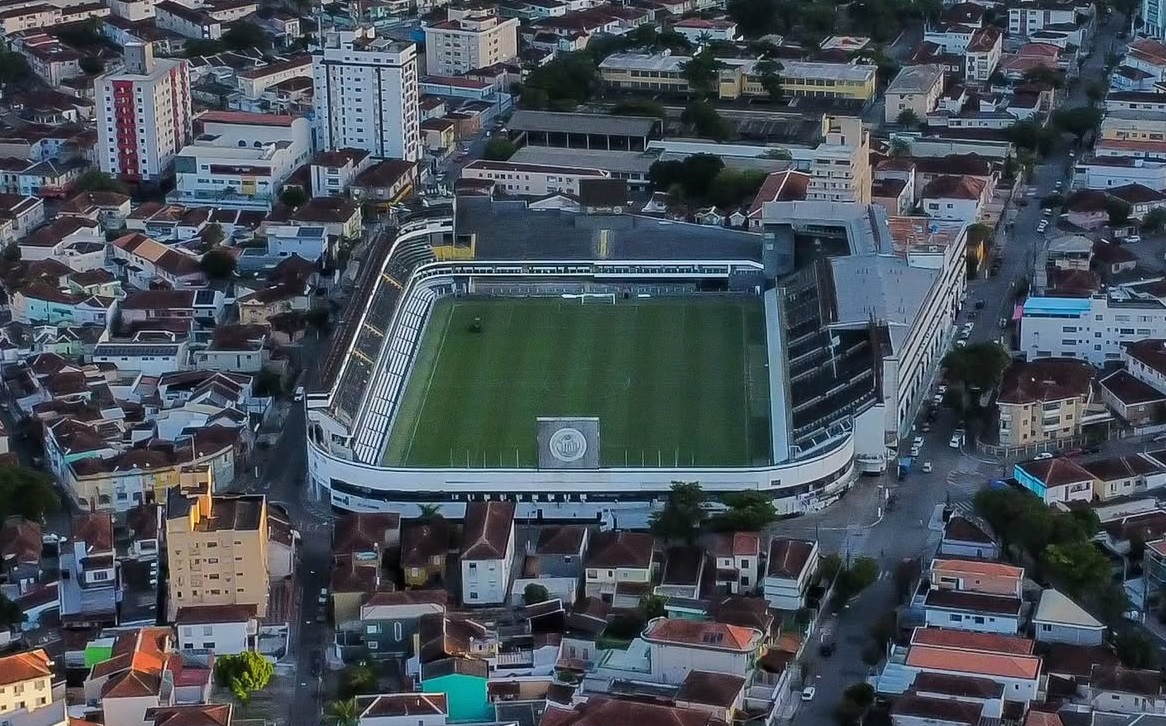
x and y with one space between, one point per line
555 562
130 682
1006 660
604 711
780 186
1141 199
340 217
964 538
388 181
678 646
916 89
1087 209
108 209
487 555
463 682
683 572
1044 400
20 548
424 547
618 560
720 694
1055 480
332 172
1134 401
1117 689
90 575
224 629
144 261
1060 620
388 621
915 710
974 595
402 709
56 239
955 197
792 564
259 307
1123 476
737 557
983 54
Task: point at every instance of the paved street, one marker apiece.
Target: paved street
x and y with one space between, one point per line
913 527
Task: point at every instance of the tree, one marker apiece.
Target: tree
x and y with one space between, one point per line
13 67
1135 649
733 187
534 593
245 36
705 120
848 713
1077 121
1118 211
244 673
26 493
218 264
429 512
98 181
499 149
900 148
652 606
12 253
1079 567
1054 78
861 693
908 117
1155 220
195 47
568 80
11 614
829 566
293 197
639 107
754 17
979 365
212 236
1094 91
318 317
694 174
343 713
770 78
357 680
91 65
1031 136
701 72
749 511
683 514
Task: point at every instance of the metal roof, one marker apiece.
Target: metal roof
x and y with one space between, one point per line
582 123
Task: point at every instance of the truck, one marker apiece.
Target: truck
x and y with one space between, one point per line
905 463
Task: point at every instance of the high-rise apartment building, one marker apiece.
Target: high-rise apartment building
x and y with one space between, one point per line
366 94
840 165
469 39
143 115
216 547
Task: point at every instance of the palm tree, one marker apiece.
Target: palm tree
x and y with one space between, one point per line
342 713
429 512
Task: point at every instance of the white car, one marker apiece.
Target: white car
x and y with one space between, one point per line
937 399
968 328
808 693
927 467
918 442
915 451
956 441
323 595
1042 226
1043 455
1133 239
961 343
941 390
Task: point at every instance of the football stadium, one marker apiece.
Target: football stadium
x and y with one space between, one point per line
579 363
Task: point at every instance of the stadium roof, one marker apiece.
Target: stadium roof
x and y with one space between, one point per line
582 123
507 230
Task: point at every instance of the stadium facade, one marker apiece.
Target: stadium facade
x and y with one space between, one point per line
859 310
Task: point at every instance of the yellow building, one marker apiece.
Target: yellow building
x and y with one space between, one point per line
737 78
1133 126
216 547
26 681
1044 400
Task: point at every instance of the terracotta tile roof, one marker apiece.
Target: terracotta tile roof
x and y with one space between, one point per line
1126 680
20 541
95 529
621 549
788 558
564 539
203 614
364 531
1042 718
487 530
972 602
983 568
21 667
961 640
604 711
736 544
1149 50
963 686
1150 352
1121 467
961 529
780 186
973 663
703 633
207 714
135 666
422 540
710 689
1056 472
1044 380
954 187
938 709
984 39
398 705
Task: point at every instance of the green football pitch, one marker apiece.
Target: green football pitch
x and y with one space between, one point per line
673 381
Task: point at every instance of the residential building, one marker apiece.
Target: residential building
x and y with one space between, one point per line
487 555
143 115
387 182
1032 16
1125 476
187 21
1002 659
601 710
955 197
678 646
240 160
333 172
1131 400
964 538
1060 620
424 548
702 30
916 89
618 558
223 629
388 621
366 94
402 709
1121 690
26 683
982 55
468 39
792 564
737 557
974 595
683 572
90 592
531 179
1054 480
554 561
216 547
1044 400
840 166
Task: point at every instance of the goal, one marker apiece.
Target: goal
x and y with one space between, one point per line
600 297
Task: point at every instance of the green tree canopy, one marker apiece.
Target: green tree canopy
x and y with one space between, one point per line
1030 135
749 511
562 84
342 713
212 235
218 264
95 180
499 148
908 117
243 35
358 679
639 107
244 673
701 72
26 493
683 514
293 196
1155 220
1136 649
769 72
703 117
535 593
1117 211
1077 121
11 614
1054 78
979 365
694 174
1079 567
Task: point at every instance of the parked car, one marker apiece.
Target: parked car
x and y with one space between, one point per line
927 467
1133 239
808 693
1042 456
956 441
961 343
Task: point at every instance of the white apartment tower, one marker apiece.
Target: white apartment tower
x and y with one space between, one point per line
366 94
143 115
469 39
